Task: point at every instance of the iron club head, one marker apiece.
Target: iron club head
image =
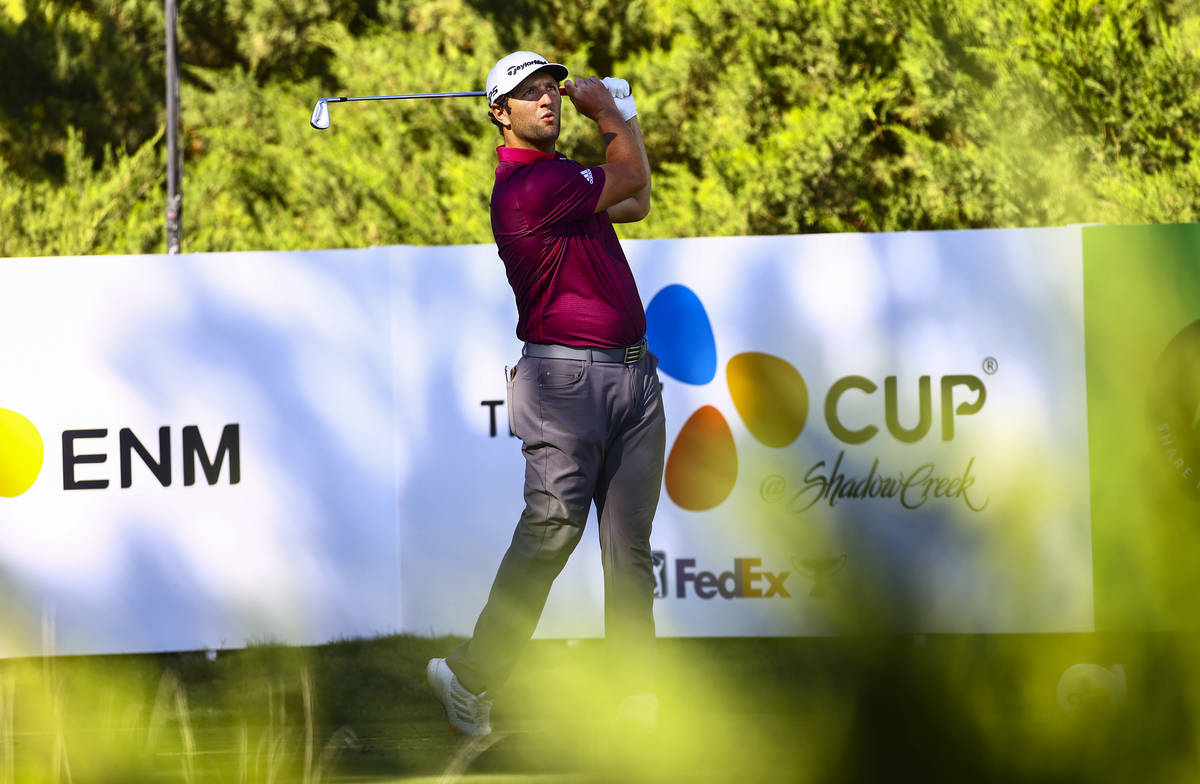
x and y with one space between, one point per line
320 115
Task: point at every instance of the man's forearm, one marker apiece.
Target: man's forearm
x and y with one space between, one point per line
624 149
635 207
642 197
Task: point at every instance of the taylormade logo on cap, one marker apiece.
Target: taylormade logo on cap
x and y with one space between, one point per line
516 69
508 73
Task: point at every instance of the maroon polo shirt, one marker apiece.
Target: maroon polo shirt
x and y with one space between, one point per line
568 273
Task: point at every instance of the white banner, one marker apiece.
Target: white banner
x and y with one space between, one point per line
965 510
280 358
863 431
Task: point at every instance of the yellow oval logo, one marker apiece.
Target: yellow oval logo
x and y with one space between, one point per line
21 453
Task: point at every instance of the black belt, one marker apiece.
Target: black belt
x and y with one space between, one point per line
626 356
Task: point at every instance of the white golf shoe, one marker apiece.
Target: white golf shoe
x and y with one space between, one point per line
468 714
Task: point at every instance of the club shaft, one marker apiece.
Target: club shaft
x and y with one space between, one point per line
340 99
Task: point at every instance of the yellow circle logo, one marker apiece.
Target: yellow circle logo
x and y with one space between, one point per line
21 453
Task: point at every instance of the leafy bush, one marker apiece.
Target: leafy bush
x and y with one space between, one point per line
760 118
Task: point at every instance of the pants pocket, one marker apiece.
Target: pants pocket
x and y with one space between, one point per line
559 373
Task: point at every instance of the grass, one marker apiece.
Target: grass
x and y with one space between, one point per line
885 708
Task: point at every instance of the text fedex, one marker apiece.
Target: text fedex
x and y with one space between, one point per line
746 580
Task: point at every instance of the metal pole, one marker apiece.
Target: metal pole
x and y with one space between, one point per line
174 178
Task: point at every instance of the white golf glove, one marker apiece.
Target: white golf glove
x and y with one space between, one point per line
619 90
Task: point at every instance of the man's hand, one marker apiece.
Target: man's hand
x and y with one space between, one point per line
622 95
590 96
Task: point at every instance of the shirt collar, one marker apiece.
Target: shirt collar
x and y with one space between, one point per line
522 155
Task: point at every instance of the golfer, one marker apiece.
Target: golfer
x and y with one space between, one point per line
585 397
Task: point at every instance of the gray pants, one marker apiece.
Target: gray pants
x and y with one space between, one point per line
591 432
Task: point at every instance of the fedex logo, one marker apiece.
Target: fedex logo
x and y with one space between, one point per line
745 581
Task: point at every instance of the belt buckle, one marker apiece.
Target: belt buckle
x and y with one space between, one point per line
634 353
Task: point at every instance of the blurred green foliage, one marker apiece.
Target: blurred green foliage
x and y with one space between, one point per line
761 117
942 709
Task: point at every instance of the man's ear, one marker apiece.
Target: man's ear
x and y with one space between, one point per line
501 116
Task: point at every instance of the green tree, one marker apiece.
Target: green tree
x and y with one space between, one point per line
761 117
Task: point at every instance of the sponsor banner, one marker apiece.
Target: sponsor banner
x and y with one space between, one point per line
1142 298
864 432
195 451
891 423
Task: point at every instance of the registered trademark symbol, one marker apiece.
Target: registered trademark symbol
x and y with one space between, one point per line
990 366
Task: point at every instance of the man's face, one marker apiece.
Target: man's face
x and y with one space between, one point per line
534 110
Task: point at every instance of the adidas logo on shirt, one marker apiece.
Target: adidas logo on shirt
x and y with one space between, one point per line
587 175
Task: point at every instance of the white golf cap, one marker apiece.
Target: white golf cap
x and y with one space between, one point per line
508 73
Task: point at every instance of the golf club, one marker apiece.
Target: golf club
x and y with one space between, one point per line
320 115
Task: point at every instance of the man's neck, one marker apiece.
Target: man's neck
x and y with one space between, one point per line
512 140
